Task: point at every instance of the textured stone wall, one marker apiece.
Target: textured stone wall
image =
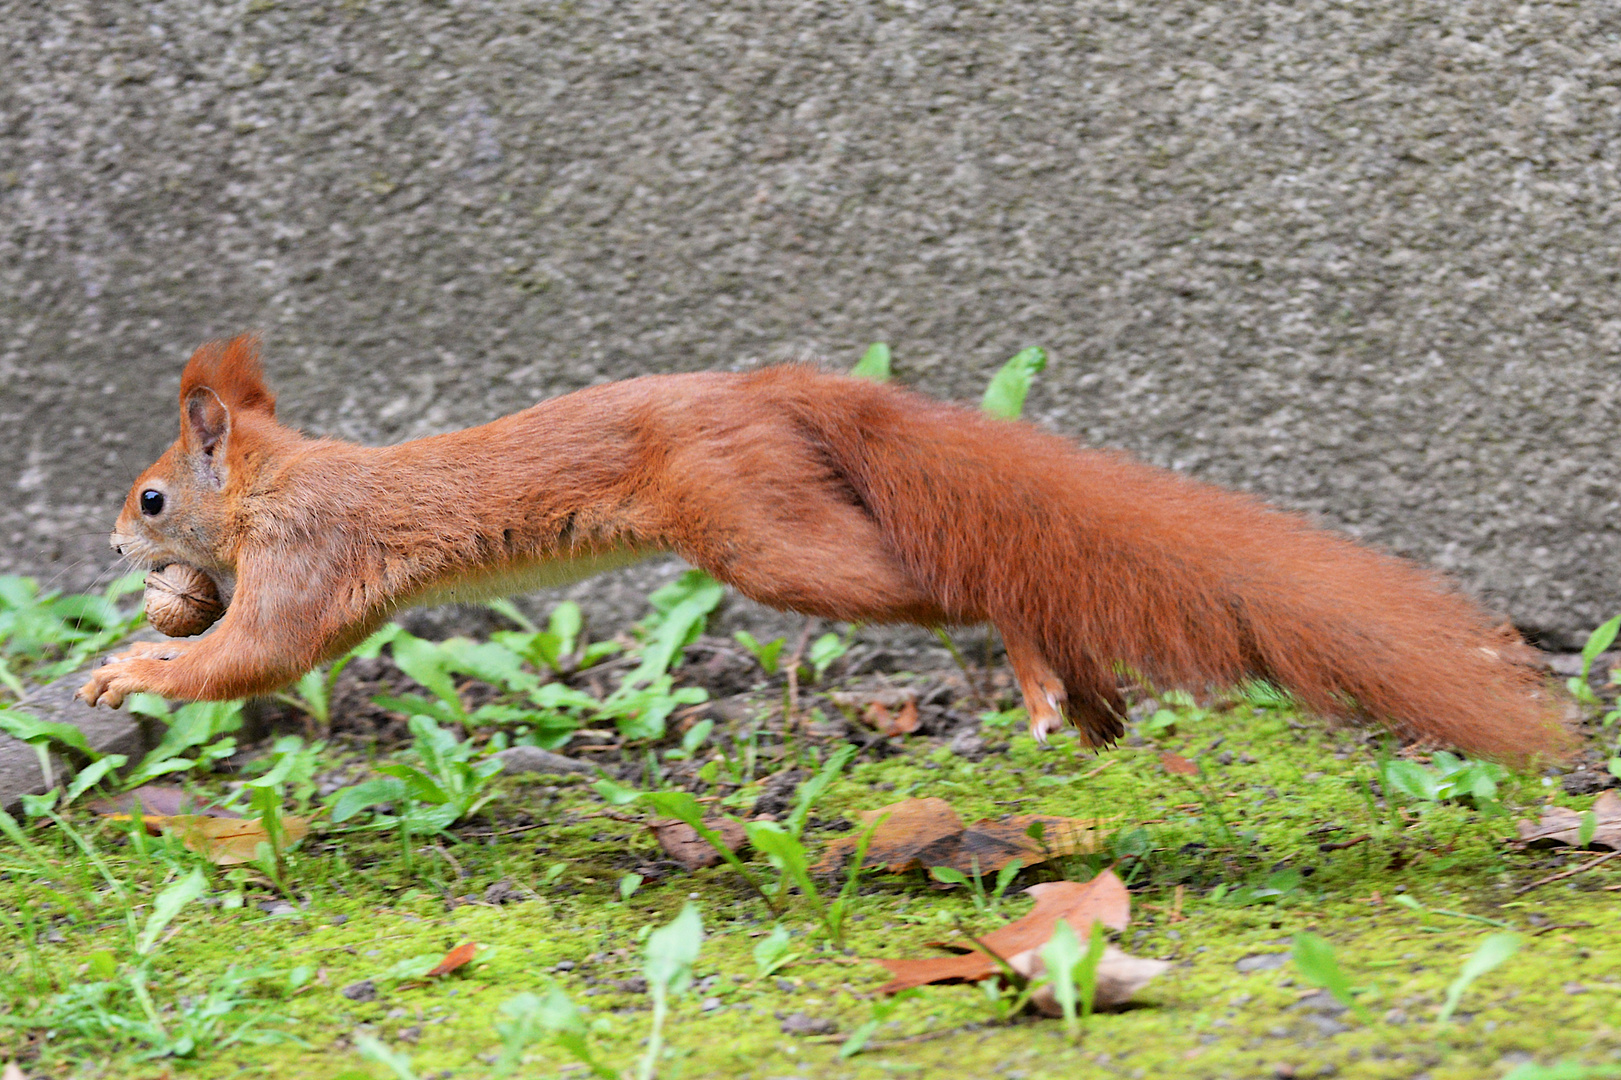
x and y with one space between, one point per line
1360 258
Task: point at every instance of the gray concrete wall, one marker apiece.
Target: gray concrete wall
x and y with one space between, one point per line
1360 258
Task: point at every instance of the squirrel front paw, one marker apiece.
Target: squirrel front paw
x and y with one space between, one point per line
122 674
109 685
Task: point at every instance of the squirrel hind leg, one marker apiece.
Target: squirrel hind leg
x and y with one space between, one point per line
1093 704
1045 696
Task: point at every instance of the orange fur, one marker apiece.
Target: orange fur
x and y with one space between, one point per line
816 493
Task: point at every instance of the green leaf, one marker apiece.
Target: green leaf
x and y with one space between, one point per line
1314 956
812 789
31 729
489 661
874 363
1005 395
771 953
9 679
168 905
683 607
91 775
784 851
191 725
1598 641
697 735
684 808
132 582
372 647
557 696
566 623
350 801
825 650
311 687
628 885
881 1011
1412 780
618 795
1086 972
13 831
555 1014
509 611
372 1049
1005 877
948 875
1062 955
1493 950
419 786
640 713
672 950
417 705
428 664
767 654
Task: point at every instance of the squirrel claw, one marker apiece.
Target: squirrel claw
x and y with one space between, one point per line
1048 719
108 685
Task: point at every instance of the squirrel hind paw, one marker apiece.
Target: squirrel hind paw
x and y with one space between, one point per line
1046 714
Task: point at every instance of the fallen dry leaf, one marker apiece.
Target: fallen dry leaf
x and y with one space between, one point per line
12 1072
887 722
1176 763
454 959
1119 976
909 826
160 801
928 832
682 843
228 841
1103 899
1559 825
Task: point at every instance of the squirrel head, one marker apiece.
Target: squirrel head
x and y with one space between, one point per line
187 506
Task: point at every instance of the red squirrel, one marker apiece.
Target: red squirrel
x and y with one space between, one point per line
817 493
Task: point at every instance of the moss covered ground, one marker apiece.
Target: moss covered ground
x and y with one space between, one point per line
1286 830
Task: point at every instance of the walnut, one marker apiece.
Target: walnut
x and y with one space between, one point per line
181 600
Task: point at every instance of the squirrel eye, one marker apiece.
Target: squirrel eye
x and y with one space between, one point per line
151 502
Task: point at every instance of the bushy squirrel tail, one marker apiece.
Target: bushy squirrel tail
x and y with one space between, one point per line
1101 561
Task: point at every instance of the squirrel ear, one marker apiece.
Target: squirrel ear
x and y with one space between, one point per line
205 422
230 371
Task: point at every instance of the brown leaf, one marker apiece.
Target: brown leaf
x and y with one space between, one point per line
928 832
900 722
1176 763
1119 976
454 959
1559 825
682 843
1103 899
910 825
160 801
228 841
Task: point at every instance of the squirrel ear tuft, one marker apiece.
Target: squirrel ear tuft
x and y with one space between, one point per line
230 369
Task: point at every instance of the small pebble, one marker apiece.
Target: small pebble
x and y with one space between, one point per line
364 990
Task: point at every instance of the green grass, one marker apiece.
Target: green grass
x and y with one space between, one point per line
364 906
